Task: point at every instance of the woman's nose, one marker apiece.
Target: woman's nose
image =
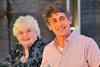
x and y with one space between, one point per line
25 34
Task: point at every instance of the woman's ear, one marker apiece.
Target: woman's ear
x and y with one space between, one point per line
15 37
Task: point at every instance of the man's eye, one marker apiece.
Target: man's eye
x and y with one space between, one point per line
54 20
62 18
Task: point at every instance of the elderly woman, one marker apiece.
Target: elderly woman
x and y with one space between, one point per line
28 53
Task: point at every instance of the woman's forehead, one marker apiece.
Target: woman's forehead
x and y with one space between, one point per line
24 27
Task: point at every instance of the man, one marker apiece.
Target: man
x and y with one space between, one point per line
68 49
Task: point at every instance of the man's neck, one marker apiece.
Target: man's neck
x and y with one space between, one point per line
61 41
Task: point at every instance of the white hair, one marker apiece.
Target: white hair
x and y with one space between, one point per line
28 20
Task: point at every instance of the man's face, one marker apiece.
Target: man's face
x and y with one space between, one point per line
59 24
26 35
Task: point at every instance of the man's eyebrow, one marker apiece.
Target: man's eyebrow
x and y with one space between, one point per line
61 16
53 19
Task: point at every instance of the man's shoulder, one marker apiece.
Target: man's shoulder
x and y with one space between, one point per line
85 37
80 36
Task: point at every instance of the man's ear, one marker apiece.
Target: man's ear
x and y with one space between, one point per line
49 27
70 22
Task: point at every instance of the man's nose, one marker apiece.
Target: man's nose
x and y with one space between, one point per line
60 22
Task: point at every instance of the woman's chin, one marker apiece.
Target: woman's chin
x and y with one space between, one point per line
26 44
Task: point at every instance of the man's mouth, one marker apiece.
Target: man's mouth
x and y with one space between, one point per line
61 28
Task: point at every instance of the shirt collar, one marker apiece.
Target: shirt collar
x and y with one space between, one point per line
73 35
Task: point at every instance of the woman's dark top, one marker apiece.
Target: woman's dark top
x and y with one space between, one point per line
34 59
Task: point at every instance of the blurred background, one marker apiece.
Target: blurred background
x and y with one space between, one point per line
85 17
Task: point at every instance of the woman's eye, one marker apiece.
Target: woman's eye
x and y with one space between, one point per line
20 33
28 30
